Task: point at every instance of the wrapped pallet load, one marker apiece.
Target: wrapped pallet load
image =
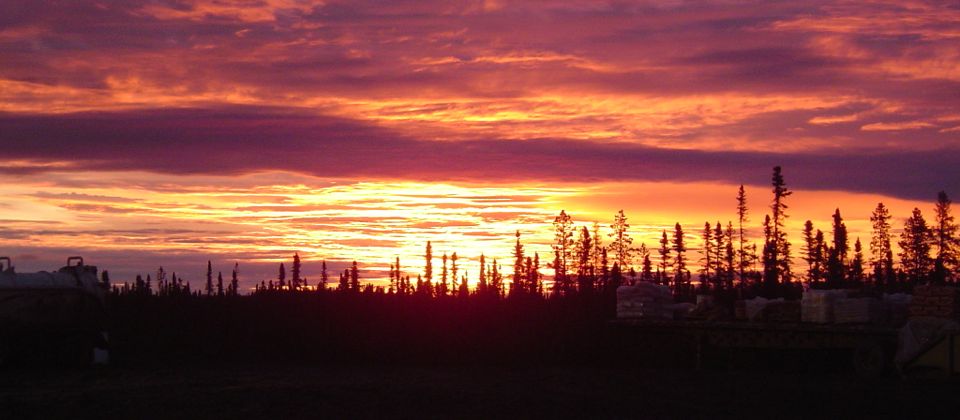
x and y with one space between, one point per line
645 300
935 302
754 309
865 310
817 306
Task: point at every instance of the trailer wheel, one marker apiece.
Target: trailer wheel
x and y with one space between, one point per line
870 360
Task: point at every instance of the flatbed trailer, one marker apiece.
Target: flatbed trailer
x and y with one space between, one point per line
872 347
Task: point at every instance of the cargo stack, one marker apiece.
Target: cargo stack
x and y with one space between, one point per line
645 300
817 306
864 310
935 302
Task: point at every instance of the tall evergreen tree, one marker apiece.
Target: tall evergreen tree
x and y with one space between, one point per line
453 271
282 276
622 245
915 248
235 278
582 253
537 280
496 279
946 261
680 261
519 268
562 249
819 257
209 288
323 275
354 277
482 281
881 253
442 290
856 266
295 280
810 248
665 263
219 284
646 270
777 270
836 260
428 265
742 218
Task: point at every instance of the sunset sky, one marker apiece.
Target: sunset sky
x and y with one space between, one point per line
149 133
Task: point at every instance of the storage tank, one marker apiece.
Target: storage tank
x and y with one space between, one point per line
58 315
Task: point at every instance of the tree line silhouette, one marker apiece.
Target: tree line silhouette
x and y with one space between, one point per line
518 314
582 264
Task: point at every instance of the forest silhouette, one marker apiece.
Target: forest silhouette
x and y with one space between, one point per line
519 316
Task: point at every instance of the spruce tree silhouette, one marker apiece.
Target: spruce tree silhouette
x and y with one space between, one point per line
881 253
428 266
442 287
776 247
718 247
946 261
837 256
622 244
454 284
681 277
646 270
324 277
295 280
519 268
209 288
663 276
856 266
355 277
563 242
743 260
914 245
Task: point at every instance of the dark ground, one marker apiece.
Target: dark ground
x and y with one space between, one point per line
287 391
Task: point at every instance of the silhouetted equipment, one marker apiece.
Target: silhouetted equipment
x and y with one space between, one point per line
871 345
57 316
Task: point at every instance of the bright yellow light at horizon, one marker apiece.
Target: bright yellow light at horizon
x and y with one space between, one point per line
257 219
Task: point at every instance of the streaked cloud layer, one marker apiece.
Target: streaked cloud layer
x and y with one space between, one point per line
555 96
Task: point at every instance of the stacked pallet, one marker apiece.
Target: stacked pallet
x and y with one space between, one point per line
645 300
864 310
817 306
935 302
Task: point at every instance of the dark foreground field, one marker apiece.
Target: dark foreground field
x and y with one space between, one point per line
464 392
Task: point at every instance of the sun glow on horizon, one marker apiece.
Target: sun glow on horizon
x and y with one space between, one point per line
261 219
